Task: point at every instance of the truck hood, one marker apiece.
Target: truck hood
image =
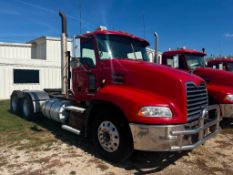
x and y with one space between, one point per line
152 72
219 83
168 83
215 76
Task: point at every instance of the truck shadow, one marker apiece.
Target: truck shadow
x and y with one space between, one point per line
140 162
151 162
227 126
227 123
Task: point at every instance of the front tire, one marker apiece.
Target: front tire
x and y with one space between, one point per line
112 137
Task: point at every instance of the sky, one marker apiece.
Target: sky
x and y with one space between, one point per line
192 24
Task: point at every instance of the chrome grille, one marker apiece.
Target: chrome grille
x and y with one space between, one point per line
197 100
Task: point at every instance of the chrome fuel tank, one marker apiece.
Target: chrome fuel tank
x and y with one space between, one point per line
55 109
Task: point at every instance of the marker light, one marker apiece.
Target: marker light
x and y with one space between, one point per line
100 28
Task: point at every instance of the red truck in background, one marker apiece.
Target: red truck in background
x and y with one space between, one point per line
219 84
120 100
221 64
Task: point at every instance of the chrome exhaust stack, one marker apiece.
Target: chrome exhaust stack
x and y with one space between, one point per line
64 56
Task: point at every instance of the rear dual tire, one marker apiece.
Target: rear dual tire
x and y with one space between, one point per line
27 108
15 103
21 104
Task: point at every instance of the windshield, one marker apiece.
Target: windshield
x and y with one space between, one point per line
230 66
113 46
195 61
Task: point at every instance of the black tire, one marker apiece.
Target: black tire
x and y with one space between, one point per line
114 152
15 103
27 108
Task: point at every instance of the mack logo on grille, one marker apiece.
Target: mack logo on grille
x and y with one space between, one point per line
197 100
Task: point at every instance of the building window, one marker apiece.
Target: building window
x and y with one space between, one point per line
26 76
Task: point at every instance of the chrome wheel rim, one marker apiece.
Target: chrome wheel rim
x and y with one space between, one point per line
108 136
14 103
26 108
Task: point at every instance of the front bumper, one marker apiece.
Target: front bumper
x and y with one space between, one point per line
176 137
227 110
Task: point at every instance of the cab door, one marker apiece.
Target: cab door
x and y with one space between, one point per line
87 74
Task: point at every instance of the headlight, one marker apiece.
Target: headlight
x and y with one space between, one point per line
155 111
229 97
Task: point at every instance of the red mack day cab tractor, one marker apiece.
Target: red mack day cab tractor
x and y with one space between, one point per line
122 102
219 84
221 64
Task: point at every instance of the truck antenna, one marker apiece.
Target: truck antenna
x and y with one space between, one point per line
80 18
144 25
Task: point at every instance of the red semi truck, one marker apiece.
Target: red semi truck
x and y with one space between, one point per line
121 101
220 88
221 64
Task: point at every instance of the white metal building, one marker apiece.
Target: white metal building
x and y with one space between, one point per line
34 65
151 53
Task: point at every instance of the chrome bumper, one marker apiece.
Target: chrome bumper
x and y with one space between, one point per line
227 110
176 137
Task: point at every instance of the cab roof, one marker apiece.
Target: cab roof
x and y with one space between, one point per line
111 32
219 60
182 51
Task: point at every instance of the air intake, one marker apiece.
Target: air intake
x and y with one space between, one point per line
197 100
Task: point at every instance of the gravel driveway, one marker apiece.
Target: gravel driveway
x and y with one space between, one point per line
77 156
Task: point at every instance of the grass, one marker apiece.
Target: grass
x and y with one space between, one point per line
9 121
16 131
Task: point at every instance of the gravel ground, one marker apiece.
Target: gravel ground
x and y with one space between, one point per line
79 157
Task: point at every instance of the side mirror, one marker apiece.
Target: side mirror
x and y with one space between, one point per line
176 61
221 67
76 52
76 47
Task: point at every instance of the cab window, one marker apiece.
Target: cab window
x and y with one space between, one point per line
88 53
173 61
170 62
230 66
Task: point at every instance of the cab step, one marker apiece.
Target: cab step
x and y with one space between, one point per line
70 129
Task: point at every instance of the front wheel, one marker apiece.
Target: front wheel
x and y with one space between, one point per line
112 137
